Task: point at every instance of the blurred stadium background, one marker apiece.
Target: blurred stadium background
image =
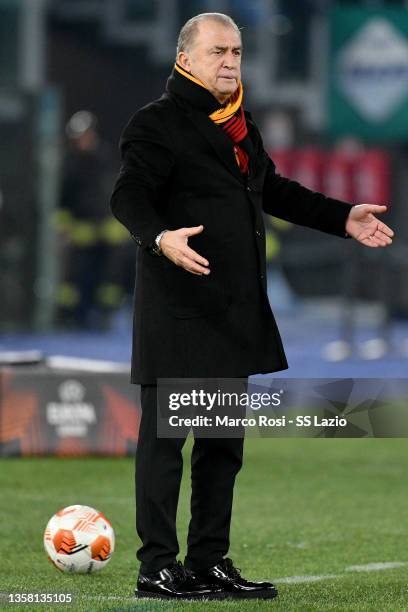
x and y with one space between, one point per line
327 81
328 84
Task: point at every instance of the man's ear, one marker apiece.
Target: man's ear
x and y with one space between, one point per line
184 60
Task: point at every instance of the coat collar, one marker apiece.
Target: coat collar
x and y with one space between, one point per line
219 141
223 145
195 95
198 103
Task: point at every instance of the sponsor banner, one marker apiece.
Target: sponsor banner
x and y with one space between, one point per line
368 73
283 407
67 413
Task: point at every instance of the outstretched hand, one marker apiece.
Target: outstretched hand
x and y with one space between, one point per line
174 245
362 225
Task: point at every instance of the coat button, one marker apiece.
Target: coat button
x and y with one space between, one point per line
249 188
258 233
262 277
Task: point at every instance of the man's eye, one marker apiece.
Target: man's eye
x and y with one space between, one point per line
217 52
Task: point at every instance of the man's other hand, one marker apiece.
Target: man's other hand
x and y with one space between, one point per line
362 225
174 245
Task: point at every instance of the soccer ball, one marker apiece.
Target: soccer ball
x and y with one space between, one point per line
79 539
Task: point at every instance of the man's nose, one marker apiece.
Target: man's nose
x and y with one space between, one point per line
230 60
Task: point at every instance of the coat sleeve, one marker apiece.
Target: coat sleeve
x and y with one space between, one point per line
147 162
291 201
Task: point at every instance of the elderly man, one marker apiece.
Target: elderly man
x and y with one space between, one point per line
193 185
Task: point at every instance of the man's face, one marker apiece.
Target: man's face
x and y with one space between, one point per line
215 58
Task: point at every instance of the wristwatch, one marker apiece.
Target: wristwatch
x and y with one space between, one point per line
156 245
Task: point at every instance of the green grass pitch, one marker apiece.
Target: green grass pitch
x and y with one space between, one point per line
302 508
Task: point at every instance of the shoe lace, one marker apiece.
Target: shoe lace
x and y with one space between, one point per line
233 572
178 570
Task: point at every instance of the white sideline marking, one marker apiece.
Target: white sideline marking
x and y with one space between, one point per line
369 567
299 579
297 544
372 567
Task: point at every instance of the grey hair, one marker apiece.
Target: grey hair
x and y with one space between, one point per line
190 29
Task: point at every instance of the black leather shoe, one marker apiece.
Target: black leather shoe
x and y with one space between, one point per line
176 582
228 577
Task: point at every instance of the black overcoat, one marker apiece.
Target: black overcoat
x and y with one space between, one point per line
179 170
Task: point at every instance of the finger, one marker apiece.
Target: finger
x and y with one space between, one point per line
375 241
369 242
383 237
192 266
380 242
192 231
385 229
195 256
192 272
376 208
379 234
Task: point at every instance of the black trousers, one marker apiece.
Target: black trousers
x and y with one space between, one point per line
215 463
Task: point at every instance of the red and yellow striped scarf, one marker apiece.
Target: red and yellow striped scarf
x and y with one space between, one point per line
230 117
